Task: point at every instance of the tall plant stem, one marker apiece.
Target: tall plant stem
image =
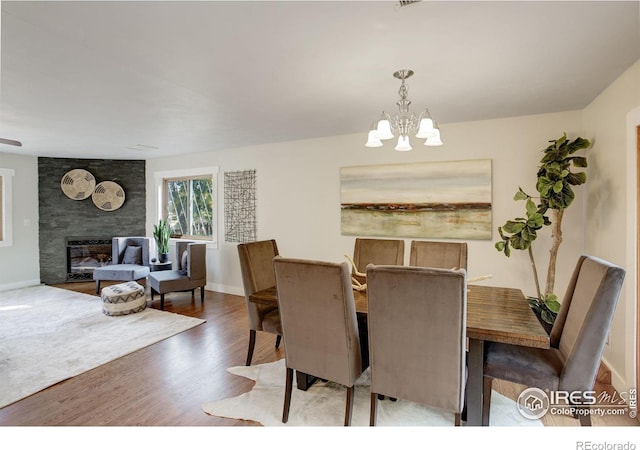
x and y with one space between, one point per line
556 236
535 272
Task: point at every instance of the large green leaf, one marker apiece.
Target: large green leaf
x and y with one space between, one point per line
553 305
578 144
576 179
520 195
531 208
579 161
557 187
536 221
518 243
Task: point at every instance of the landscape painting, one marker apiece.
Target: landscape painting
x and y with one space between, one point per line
446 200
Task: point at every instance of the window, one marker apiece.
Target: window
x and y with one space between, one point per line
6 179
188 202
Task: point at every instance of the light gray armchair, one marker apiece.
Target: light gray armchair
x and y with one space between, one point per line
577 339
129 261
191 272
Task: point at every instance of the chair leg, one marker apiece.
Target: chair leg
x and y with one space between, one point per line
349 408
373 410
162 302
486 399
456 419
278 339
201 294
585 419
97 286
252 345
152 293
287 395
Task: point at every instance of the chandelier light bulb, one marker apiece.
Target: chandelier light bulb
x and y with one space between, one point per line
426 129
373 140
434 141
403 144
384 129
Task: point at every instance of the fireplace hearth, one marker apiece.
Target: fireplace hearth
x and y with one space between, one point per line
84 255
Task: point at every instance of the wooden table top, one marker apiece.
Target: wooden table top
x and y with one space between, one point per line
495 314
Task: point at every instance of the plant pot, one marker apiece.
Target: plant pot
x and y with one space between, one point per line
547 326
163 257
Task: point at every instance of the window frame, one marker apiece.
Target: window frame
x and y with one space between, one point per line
6 207
189 174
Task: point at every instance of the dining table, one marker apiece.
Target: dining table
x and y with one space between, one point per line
494 314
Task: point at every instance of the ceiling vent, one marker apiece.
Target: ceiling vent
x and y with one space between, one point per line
402 3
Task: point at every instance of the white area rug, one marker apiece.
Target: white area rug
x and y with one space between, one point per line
323 404
50 334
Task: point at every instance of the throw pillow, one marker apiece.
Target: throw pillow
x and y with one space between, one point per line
132 255
185 261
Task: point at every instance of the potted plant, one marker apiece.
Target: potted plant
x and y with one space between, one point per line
555 194
162 234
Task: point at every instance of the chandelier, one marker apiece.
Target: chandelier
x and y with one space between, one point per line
404 122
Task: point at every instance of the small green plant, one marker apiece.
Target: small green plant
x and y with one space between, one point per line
162 234
554 186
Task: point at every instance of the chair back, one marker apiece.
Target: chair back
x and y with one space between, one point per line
584 320
417 334
377 251
256 266
192 259
442 255
318 316
119 247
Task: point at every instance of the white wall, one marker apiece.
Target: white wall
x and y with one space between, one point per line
19 263
611 214
298 193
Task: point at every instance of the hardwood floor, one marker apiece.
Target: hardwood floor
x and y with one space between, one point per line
165 384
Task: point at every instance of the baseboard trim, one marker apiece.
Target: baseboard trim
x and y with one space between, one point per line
225 289
19 285
604 374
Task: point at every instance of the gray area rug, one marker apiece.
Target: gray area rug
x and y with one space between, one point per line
323 404
50 334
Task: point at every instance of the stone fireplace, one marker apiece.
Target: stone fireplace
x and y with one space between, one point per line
84 255
66 224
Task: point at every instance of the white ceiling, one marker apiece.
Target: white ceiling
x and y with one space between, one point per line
89 79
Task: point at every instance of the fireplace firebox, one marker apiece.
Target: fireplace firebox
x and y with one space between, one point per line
84 255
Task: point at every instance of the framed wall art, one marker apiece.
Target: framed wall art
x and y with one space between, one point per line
446 200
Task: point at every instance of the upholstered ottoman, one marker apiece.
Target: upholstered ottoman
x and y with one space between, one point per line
124 298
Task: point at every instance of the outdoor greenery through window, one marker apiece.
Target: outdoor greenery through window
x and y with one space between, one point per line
188 206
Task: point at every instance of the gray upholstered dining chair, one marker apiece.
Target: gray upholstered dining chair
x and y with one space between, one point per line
256 266
417 333
129 261
191 272
443 255
577 339
376 251
319 324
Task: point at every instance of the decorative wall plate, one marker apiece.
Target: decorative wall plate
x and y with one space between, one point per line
78 184
108 196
